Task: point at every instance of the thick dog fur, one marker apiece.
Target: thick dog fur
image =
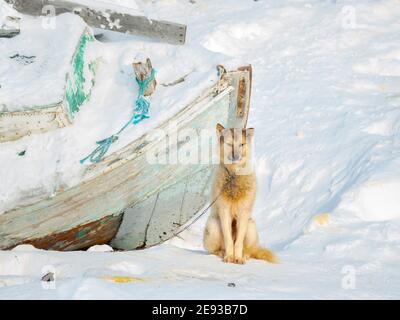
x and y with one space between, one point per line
230 232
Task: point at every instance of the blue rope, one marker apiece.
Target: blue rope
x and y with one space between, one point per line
140 113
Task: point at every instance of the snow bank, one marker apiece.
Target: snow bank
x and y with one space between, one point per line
378 201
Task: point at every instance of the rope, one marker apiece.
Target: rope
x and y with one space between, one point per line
191 222
139 114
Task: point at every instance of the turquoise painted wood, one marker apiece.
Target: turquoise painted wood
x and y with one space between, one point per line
153 201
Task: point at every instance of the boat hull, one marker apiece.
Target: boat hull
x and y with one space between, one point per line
125 198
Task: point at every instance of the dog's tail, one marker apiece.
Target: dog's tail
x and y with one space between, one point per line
264 254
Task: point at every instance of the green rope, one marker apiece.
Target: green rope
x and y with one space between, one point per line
139 114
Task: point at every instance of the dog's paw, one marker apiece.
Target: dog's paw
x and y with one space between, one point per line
229 259
219 253
240 260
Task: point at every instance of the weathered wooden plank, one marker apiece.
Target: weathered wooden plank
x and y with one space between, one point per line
244 93
241 80
10 27
82 236
9 33
164 214
170 32
136 221
165 218
143 70
197 194
15 125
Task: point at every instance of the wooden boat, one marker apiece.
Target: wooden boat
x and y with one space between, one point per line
126 200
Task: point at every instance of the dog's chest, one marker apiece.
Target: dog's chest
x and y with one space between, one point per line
237 188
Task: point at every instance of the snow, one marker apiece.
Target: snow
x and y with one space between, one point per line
326 111
121 6
101 248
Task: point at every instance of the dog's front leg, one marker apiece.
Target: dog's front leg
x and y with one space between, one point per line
226 225
241 227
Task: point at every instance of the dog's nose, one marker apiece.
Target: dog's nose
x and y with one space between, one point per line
235 157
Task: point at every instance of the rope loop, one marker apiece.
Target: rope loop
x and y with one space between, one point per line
141 111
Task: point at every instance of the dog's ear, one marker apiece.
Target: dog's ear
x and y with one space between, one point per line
250 132
220 127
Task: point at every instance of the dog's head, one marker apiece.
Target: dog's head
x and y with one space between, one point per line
235 145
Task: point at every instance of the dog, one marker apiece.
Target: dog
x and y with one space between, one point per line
230 231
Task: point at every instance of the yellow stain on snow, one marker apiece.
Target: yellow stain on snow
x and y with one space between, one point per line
300 134
383 88
322 219
123 279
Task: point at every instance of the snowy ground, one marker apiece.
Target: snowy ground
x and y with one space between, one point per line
326 108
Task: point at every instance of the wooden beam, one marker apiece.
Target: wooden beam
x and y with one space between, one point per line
10 27
143 70
108 19
8 33
80 237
